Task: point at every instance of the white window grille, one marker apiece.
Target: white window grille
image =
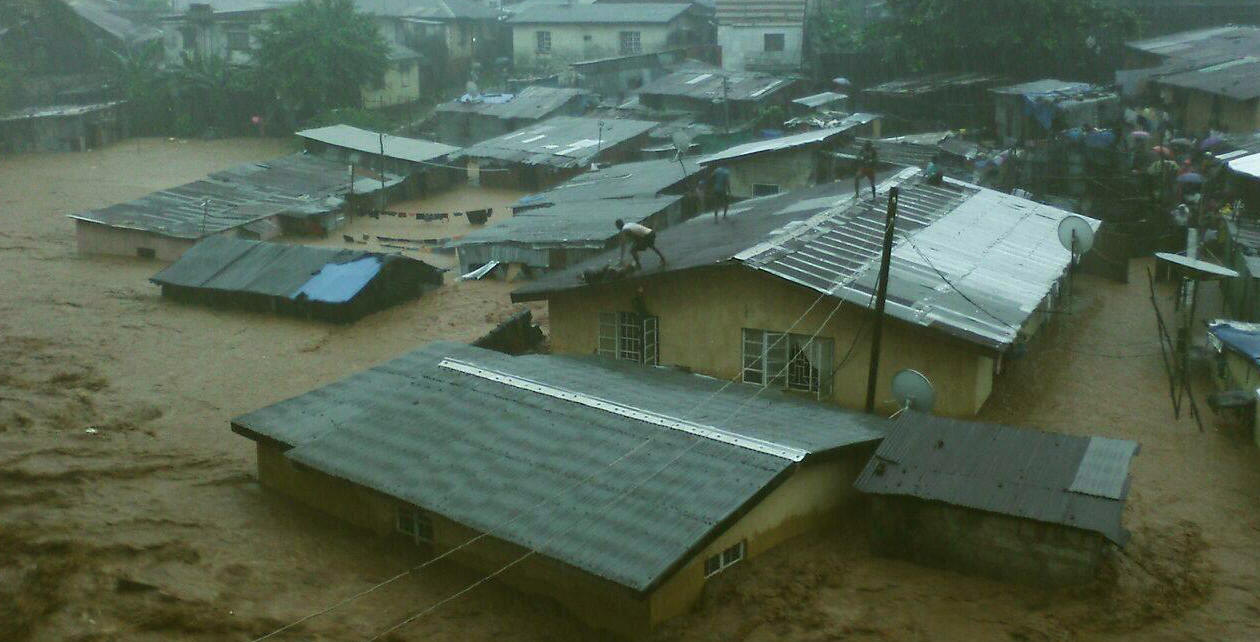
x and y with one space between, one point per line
543 42
414 524
719 562
788 361
630 43
629 336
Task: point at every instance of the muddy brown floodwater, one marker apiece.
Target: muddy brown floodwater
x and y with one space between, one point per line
129 511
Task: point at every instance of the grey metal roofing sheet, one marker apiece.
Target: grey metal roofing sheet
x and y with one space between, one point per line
932 83
617 497
123 29
1104 469
1199 41
569 223
562 141
969 261
57 111
1238 79
789 142
531 102
237 196
600 13
707 84
644 178
761 13
1001 469
818 100
228 264
363 140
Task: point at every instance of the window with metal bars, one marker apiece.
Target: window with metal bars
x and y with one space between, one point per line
629 336
630 43
788 361
542 42
414 524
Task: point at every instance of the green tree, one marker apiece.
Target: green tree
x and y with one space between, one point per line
832 29
136 73
1075 39
317 55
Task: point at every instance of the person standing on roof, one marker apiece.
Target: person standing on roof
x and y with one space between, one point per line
720 191
640 237
867 160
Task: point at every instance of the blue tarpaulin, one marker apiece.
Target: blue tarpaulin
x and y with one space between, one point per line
1242 338
340 282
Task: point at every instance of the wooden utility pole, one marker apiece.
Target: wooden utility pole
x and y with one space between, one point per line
881 295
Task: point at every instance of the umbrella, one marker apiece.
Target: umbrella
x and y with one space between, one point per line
1190 178
1181 142
1161 166
1162 151
1137 133
1210 142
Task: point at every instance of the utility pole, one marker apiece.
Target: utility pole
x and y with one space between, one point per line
881 295
726 101
381 165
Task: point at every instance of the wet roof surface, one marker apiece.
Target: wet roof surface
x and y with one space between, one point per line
615 496
532 102
370 142
562 141
708 85
1048 477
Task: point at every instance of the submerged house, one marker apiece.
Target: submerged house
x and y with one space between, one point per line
296 280
767 167
950 99
1011 503
974 274
299 193
62 128
603 486
718 97
473 118
420 161
547 153
1039 109
1236 345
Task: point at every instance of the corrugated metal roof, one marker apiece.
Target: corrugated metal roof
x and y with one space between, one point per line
1247 165
908 87
1058 91
706 84
124 30
58 111
299 183
367 141
532 102
1000 469
615 13
1198 41
562 141
551 475
282 270
645 178
569 223
970 261
789 142
818 100
1238 79
761 13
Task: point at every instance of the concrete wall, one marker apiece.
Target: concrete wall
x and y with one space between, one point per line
743 48
576 42
976 542
400 86
702 313
62 133
792 169
95 238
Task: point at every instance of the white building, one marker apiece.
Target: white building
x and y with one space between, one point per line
759 35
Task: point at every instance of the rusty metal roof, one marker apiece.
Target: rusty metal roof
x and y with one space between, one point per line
1071 480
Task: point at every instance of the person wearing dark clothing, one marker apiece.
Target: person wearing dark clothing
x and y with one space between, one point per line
867 160
933 174
720 191
640 237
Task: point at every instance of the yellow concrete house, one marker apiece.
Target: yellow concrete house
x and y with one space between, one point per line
780 293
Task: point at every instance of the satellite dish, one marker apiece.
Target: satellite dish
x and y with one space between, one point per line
1076 226
682 142
1195 268
913 390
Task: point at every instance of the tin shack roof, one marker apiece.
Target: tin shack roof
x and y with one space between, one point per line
818 100
1214 41
280 270
370 142
599 13
968 261
1238 79
126 31
814 137
707 85
1056 91
1246 166
561 141
532 102
644 178
58 111
297 184
569 223
1071 480
922 85
496 442
761 13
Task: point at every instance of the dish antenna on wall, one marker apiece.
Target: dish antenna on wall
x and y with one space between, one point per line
1076 236
913 390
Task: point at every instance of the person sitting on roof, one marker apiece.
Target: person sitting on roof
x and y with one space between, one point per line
867 160
932 173
640 237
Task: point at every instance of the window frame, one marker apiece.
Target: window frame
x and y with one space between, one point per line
767 359
542 42
415 524
629 336
764 192
728 557
766 39
630 43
